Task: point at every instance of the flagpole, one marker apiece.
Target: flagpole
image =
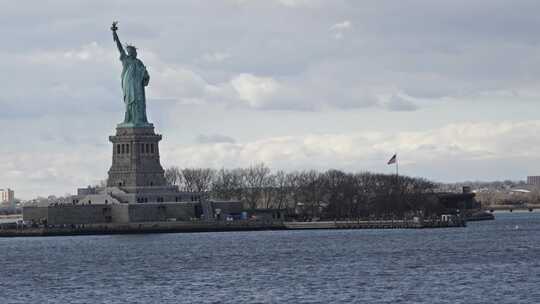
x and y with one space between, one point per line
397 170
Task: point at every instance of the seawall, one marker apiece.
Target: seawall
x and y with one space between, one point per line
202 226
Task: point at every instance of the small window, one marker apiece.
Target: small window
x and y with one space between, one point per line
128 148
123 148
147 148
152 148
117 149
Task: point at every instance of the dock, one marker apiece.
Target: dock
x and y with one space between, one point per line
374 224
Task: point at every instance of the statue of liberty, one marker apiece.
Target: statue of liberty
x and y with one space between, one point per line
134 79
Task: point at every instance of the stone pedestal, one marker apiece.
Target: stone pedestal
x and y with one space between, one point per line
135 162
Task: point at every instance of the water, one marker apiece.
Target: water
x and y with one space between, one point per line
487 262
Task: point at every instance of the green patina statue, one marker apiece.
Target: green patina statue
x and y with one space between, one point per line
134 79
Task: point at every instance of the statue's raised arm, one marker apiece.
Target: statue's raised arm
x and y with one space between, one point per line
114 28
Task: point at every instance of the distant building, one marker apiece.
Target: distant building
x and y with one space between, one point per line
533 180
7 197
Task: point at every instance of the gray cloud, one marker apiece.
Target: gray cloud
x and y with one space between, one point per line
400 104
214 138
447 49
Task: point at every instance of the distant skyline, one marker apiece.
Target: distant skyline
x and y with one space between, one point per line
452 87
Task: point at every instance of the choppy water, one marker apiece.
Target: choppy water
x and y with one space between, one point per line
487 262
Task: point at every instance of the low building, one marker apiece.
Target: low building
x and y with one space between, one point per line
458 201
109 213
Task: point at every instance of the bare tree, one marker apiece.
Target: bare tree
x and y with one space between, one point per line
197 180
311 190
333 194
255 179
281 190
228 184
173 176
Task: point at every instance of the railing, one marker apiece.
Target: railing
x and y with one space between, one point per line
527 207
376 224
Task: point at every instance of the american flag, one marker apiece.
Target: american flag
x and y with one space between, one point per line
393 159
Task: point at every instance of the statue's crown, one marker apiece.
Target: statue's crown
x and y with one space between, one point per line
129 46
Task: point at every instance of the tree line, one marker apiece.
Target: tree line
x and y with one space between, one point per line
331 194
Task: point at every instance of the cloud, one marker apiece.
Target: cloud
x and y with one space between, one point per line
381 57
339 29
59 172
214 138
342 25
62 169
255 91
400 104
368 150
287 3
296 3
216 57
178 83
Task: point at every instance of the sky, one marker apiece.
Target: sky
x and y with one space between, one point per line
452 87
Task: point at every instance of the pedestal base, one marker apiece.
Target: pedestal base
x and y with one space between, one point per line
135 161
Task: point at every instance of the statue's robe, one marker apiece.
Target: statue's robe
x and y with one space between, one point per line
134 78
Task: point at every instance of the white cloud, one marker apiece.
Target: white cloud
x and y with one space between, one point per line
339 29
254 90
368 150
216 57
177 83
214 138
32 173
62 169
295 3
287 3
342 25
91 52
